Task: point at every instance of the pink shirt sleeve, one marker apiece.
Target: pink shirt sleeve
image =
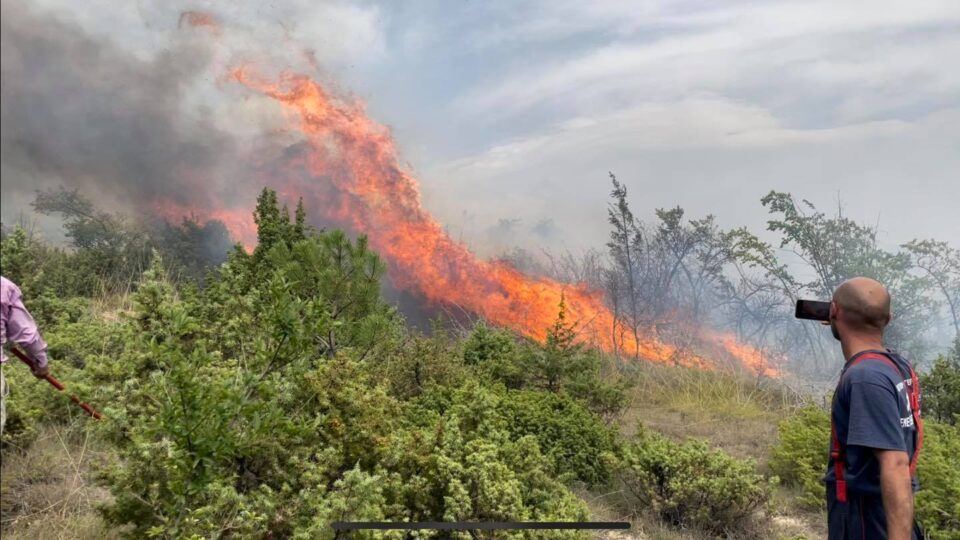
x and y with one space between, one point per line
18 325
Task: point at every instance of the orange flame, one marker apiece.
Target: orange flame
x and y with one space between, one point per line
380 198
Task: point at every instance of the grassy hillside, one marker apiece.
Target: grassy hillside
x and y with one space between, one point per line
54 458
278 393
52 486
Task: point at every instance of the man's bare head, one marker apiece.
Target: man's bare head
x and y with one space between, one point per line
862 305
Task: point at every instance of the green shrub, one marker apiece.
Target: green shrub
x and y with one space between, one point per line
559 365
576 440
409 364
50 310
334 446
270 403
464 466
589 384
494 353
485 344
938 501
941 390
74 342
800 456
690 484
38 268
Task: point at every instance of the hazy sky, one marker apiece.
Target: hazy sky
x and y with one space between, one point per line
517 110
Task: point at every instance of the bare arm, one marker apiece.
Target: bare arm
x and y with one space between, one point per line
897 491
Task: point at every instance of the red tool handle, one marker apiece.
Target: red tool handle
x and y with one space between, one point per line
58 385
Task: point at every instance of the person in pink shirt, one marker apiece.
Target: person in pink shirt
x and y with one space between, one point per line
18 326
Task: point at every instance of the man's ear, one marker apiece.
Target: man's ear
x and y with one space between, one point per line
834 310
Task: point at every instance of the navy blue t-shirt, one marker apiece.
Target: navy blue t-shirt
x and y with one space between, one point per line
871 410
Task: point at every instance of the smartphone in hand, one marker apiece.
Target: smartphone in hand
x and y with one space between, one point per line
813 310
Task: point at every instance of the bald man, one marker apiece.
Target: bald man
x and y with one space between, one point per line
875 431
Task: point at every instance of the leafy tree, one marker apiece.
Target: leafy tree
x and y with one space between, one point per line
87 227
662 277
941 263
759 294
758 299
196 247
110 249
677 243
941 388
838 248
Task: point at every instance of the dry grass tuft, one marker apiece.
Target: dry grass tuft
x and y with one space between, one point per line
734 412
111 307
46 491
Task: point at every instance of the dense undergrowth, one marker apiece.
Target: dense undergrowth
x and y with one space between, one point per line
284 394
799 458
799 454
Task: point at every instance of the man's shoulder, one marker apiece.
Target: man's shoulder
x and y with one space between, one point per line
872 370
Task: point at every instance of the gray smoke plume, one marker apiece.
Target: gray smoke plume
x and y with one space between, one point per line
82 112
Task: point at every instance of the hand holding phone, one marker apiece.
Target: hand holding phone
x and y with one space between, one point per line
813 310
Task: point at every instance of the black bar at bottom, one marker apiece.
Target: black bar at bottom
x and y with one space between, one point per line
477 525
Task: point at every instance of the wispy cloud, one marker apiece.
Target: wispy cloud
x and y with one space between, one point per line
712 155
776 51
518 109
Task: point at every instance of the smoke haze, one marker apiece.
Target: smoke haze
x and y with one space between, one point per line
86 114
506 114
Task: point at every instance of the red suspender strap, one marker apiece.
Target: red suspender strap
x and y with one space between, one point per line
839 463
917 423
837 452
